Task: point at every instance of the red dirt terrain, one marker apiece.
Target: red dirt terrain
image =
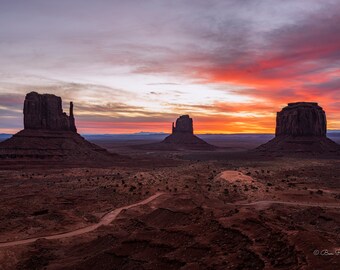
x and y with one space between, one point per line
66 203
166 210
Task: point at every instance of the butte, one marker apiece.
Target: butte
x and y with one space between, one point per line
50 135
181 138
301 128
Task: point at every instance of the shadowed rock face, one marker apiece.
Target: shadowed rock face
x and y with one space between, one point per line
45 112
301 119
50 135
300 129
71 119
183 125
183 136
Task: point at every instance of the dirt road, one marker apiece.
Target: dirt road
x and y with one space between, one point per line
105 220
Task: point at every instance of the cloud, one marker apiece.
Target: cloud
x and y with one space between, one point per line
131 62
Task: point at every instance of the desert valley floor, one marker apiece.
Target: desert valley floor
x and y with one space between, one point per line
224 209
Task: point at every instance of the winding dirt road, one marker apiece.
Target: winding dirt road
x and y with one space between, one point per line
105 220
111 216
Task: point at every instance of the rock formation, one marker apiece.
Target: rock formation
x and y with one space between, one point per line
72 121
301 119
45 112
182 137
184 124
50 134
300 128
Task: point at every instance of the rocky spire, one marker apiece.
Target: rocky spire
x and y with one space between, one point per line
71 119
45 112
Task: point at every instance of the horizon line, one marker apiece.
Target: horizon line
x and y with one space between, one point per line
165 133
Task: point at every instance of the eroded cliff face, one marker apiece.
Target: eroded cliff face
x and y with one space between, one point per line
50 136
44 111
184 124
300 129
301 119
183 137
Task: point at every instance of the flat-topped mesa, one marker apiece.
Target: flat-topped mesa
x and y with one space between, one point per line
182 137
184 124
45 112
300 130
51 135
301 119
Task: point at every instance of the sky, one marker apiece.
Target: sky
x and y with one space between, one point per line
136 65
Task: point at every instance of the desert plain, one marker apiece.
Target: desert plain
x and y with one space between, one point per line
222 209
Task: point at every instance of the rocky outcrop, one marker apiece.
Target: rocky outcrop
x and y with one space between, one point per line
181 138
50 135
301 119
183 135
300 129
184 124
44 112
71 119
30 145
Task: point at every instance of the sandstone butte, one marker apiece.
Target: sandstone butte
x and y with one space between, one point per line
50 134
301 127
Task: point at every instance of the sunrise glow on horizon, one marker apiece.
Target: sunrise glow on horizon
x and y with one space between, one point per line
132 66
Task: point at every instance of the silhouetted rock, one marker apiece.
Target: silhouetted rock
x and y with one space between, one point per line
29 145
182 138
50 135
301 119
45 112
183 135
71 119
300 128
183 125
